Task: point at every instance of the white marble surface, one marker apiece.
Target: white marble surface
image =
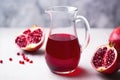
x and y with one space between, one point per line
39 70
24 13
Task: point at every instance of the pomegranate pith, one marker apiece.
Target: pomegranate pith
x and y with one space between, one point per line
105 59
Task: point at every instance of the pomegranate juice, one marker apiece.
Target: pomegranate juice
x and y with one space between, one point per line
62 52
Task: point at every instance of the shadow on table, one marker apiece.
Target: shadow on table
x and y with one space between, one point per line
115 76
79 72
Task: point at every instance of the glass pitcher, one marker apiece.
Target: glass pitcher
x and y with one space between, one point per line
63 50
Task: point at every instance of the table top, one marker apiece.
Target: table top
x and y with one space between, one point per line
12 70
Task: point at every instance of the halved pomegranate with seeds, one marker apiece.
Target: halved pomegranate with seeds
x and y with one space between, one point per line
105 59
31 39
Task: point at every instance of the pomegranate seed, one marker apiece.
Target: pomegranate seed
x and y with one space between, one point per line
23 54
21 62
27 59
31 61
21 41
24 57
1 61
27 31
18 54
10 59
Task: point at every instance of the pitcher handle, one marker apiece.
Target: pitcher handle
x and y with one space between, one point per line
87 30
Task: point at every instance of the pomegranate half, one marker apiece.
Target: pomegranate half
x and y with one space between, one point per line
105 59
31 39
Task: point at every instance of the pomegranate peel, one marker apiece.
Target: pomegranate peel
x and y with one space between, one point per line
105 59
115 38
31 39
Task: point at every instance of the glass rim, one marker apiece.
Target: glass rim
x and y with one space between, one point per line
61 9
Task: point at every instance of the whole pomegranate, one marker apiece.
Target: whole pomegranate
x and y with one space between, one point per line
105 59
30 39
115 38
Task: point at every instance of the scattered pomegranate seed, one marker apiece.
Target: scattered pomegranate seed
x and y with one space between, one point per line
23 54
27 59
21 62
1 61
18 54
24 57
10 59
31 61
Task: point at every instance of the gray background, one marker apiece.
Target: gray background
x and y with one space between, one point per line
24 13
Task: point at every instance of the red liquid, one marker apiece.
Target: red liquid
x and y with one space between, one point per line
62 52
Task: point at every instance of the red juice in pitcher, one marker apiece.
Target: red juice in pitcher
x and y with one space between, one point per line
62 52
